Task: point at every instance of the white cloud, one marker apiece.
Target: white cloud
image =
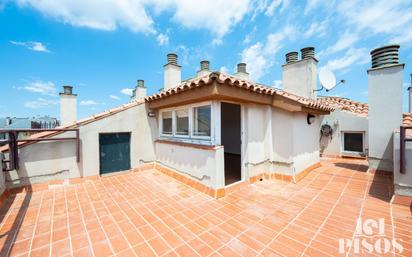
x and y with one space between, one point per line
133 15
127 91
272 7
114 97
44 88
88 102
162 39
352 57
32 45
345 41
311 4
39 103
96 14
260 56
316 29
224 69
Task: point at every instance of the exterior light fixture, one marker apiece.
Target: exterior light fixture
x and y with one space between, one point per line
151 114
310 118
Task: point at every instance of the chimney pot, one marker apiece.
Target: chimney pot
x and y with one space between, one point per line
172 58
204 65
68 90
384 56
291 57
140 83
241 67
308 52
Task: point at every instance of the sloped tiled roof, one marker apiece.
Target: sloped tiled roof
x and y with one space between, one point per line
407 119
346 104
222 78
78 123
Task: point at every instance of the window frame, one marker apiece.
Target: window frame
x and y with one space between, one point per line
190 138
343 142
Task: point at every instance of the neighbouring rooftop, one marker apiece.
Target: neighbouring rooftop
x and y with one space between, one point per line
149 213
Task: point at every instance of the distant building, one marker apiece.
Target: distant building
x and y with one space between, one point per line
45 122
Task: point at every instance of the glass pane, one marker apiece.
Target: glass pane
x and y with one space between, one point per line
201 121
167 123
353 142
182 122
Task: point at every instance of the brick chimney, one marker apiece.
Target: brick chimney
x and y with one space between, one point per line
172 72
385 80
300 76
68 106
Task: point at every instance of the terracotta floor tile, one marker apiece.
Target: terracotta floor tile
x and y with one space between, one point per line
133 237
102 249
80 241
200 247
159 245
40 252
185 250
143 249
84 252
20 247
119 243
61 248
40 241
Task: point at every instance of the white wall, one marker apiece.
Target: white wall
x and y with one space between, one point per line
57 160
171 75
385 87
205 166
402 182
2 178
342 121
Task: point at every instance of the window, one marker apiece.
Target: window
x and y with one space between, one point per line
353 142
167 123
182 122
192 123
201 121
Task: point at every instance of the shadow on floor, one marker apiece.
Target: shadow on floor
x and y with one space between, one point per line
352 166
12 232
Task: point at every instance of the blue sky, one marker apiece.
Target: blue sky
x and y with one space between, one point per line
102 48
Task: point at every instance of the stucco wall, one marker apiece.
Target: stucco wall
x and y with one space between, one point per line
402 182
44 161
300 78
385 114
203 165
342 121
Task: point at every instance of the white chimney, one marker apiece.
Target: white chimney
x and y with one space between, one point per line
300 76
204 68
385 80
68 106
140 91
241 71
172 72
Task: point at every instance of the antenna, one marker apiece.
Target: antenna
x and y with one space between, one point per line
328 80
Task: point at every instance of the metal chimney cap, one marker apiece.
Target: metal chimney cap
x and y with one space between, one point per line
291 57
204 65
308 52
140 83
172 58
385 56
67 90
241 67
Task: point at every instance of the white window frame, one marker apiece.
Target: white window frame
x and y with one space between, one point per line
191 138
343 141
174 128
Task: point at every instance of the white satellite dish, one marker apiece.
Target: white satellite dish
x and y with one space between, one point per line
327 79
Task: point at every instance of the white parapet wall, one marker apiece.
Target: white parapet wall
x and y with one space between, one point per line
402 181
202 165
52 160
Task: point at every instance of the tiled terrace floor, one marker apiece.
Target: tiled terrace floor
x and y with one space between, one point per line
148 213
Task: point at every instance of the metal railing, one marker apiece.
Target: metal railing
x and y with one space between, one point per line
13 142
403 140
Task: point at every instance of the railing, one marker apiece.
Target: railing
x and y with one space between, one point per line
403 140
13 142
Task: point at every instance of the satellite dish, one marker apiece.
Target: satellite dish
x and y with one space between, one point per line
327 79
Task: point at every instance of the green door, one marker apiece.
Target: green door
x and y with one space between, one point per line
114 152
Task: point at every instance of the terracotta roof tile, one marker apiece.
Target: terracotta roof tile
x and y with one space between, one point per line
346 104
222 78
407 119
